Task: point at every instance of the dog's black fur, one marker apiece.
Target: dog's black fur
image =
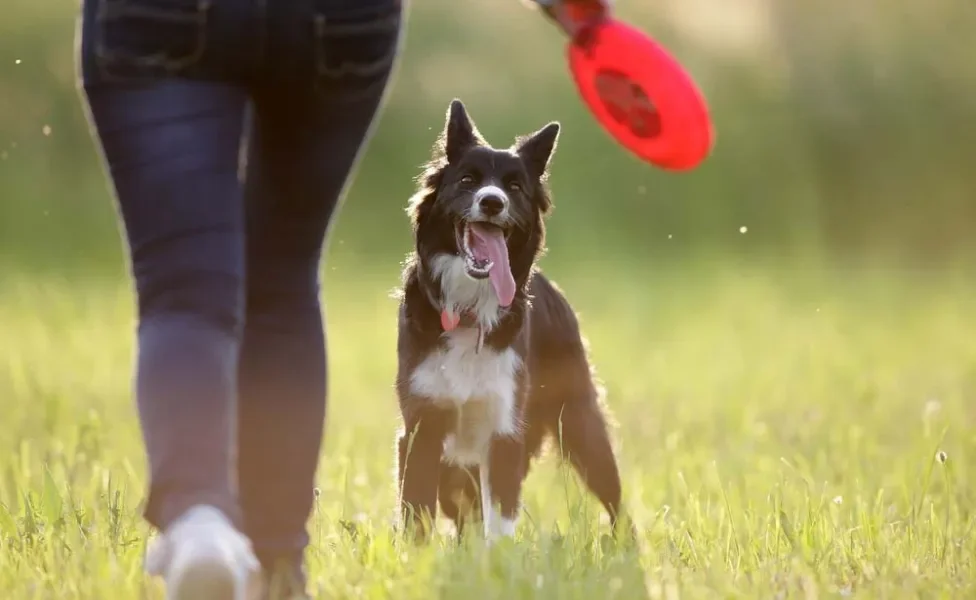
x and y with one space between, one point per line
555 392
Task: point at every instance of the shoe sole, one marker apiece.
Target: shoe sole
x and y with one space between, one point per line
205 580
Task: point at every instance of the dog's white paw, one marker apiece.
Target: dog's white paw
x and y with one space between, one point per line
498 527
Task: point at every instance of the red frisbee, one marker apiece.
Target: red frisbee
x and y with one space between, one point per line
641 95
637 91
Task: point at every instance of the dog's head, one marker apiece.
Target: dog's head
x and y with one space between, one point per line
479 210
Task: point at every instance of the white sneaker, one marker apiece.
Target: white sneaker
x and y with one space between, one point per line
201 556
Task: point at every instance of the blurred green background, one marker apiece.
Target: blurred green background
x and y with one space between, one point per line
845 136
791 320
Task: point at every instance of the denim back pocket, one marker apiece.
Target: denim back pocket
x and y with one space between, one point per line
355 47
142 39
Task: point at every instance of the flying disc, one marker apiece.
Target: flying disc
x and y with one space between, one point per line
641 95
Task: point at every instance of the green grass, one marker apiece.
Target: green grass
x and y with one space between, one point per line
777 433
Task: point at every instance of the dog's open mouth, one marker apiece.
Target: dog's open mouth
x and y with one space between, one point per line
474 239
485 251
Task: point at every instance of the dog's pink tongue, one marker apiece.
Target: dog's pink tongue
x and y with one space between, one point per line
489 243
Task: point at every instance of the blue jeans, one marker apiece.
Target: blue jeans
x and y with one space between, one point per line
229 129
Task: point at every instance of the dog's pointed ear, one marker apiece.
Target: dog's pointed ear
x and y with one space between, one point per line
460 133
536 150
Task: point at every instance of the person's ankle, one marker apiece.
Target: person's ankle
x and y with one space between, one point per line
284 580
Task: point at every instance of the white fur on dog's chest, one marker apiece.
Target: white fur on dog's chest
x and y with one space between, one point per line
480 385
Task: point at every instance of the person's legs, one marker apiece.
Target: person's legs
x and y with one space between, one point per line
171 147
169 123
306 135
303 148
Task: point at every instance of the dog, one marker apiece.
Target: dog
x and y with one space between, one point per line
491 362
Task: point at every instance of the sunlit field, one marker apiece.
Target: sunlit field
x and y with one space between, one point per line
787 334
781 435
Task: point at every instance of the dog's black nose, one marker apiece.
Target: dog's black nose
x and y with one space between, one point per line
491 205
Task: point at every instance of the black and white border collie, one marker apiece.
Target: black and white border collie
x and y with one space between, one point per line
491 360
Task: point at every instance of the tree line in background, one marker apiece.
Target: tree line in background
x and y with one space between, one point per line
842 129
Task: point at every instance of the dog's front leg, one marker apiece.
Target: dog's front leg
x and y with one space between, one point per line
501 486
419 451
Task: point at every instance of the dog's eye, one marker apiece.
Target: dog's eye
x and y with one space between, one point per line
467 180
515 186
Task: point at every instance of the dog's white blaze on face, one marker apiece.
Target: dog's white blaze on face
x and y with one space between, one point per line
479 384
461 292
481 194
